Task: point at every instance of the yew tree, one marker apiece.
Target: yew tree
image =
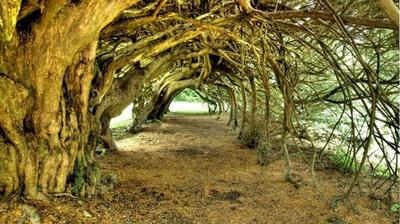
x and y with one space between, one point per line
67 67
47 53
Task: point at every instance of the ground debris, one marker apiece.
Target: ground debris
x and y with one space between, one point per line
189 152
200 175
335 220
230 195
172 216
30 215
86 214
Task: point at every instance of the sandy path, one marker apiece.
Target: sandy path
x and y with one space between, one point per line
191 170
204 176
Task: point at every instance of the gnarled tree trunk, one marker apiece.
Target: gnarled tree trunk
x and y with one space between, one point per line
45 125
45 79
123 92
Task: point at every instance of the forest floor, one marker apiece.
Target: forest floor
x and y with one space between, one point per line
190 169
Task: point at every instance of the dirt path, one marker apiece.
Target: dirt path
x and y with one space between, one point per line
191 170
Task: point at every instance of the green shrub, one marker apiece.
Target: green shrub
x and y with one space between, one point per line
344 161
380 171
263 152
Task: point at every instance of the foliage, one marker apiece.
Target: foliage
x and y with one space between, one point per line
344 161
263 152
336 60
188 95
395 208
380 171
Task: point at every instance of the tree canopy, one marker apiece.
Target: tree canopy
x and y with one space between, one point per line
67 67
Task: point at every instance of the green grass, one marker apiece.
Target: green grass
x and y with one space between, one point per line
380 171
343 161
120 124
189 113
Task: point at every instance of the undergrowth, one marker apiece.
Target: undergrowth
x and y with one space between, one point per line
345 162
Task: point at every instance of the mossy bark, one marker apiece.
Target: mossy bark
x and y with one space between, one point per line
41 136
8 19
45 80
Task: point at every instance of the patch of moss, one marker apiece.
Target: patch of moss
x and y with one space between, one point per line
42 149
93 174
82 175
78 177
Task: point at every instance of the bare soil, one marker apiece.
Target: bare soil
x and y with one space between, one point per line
191 170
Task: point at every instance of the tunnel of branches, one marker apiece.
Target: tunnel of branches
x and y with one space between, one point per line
68 67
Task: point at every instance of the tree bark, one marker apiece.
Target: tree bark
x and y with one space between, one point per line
391 11
8 20
123 92
45 81
153 105
44 139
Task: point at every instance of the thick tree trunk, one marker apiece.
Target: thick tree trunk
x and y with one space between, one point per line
153 105
243 109
141 109
45 81
162 105
123 92
43 136
233 108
